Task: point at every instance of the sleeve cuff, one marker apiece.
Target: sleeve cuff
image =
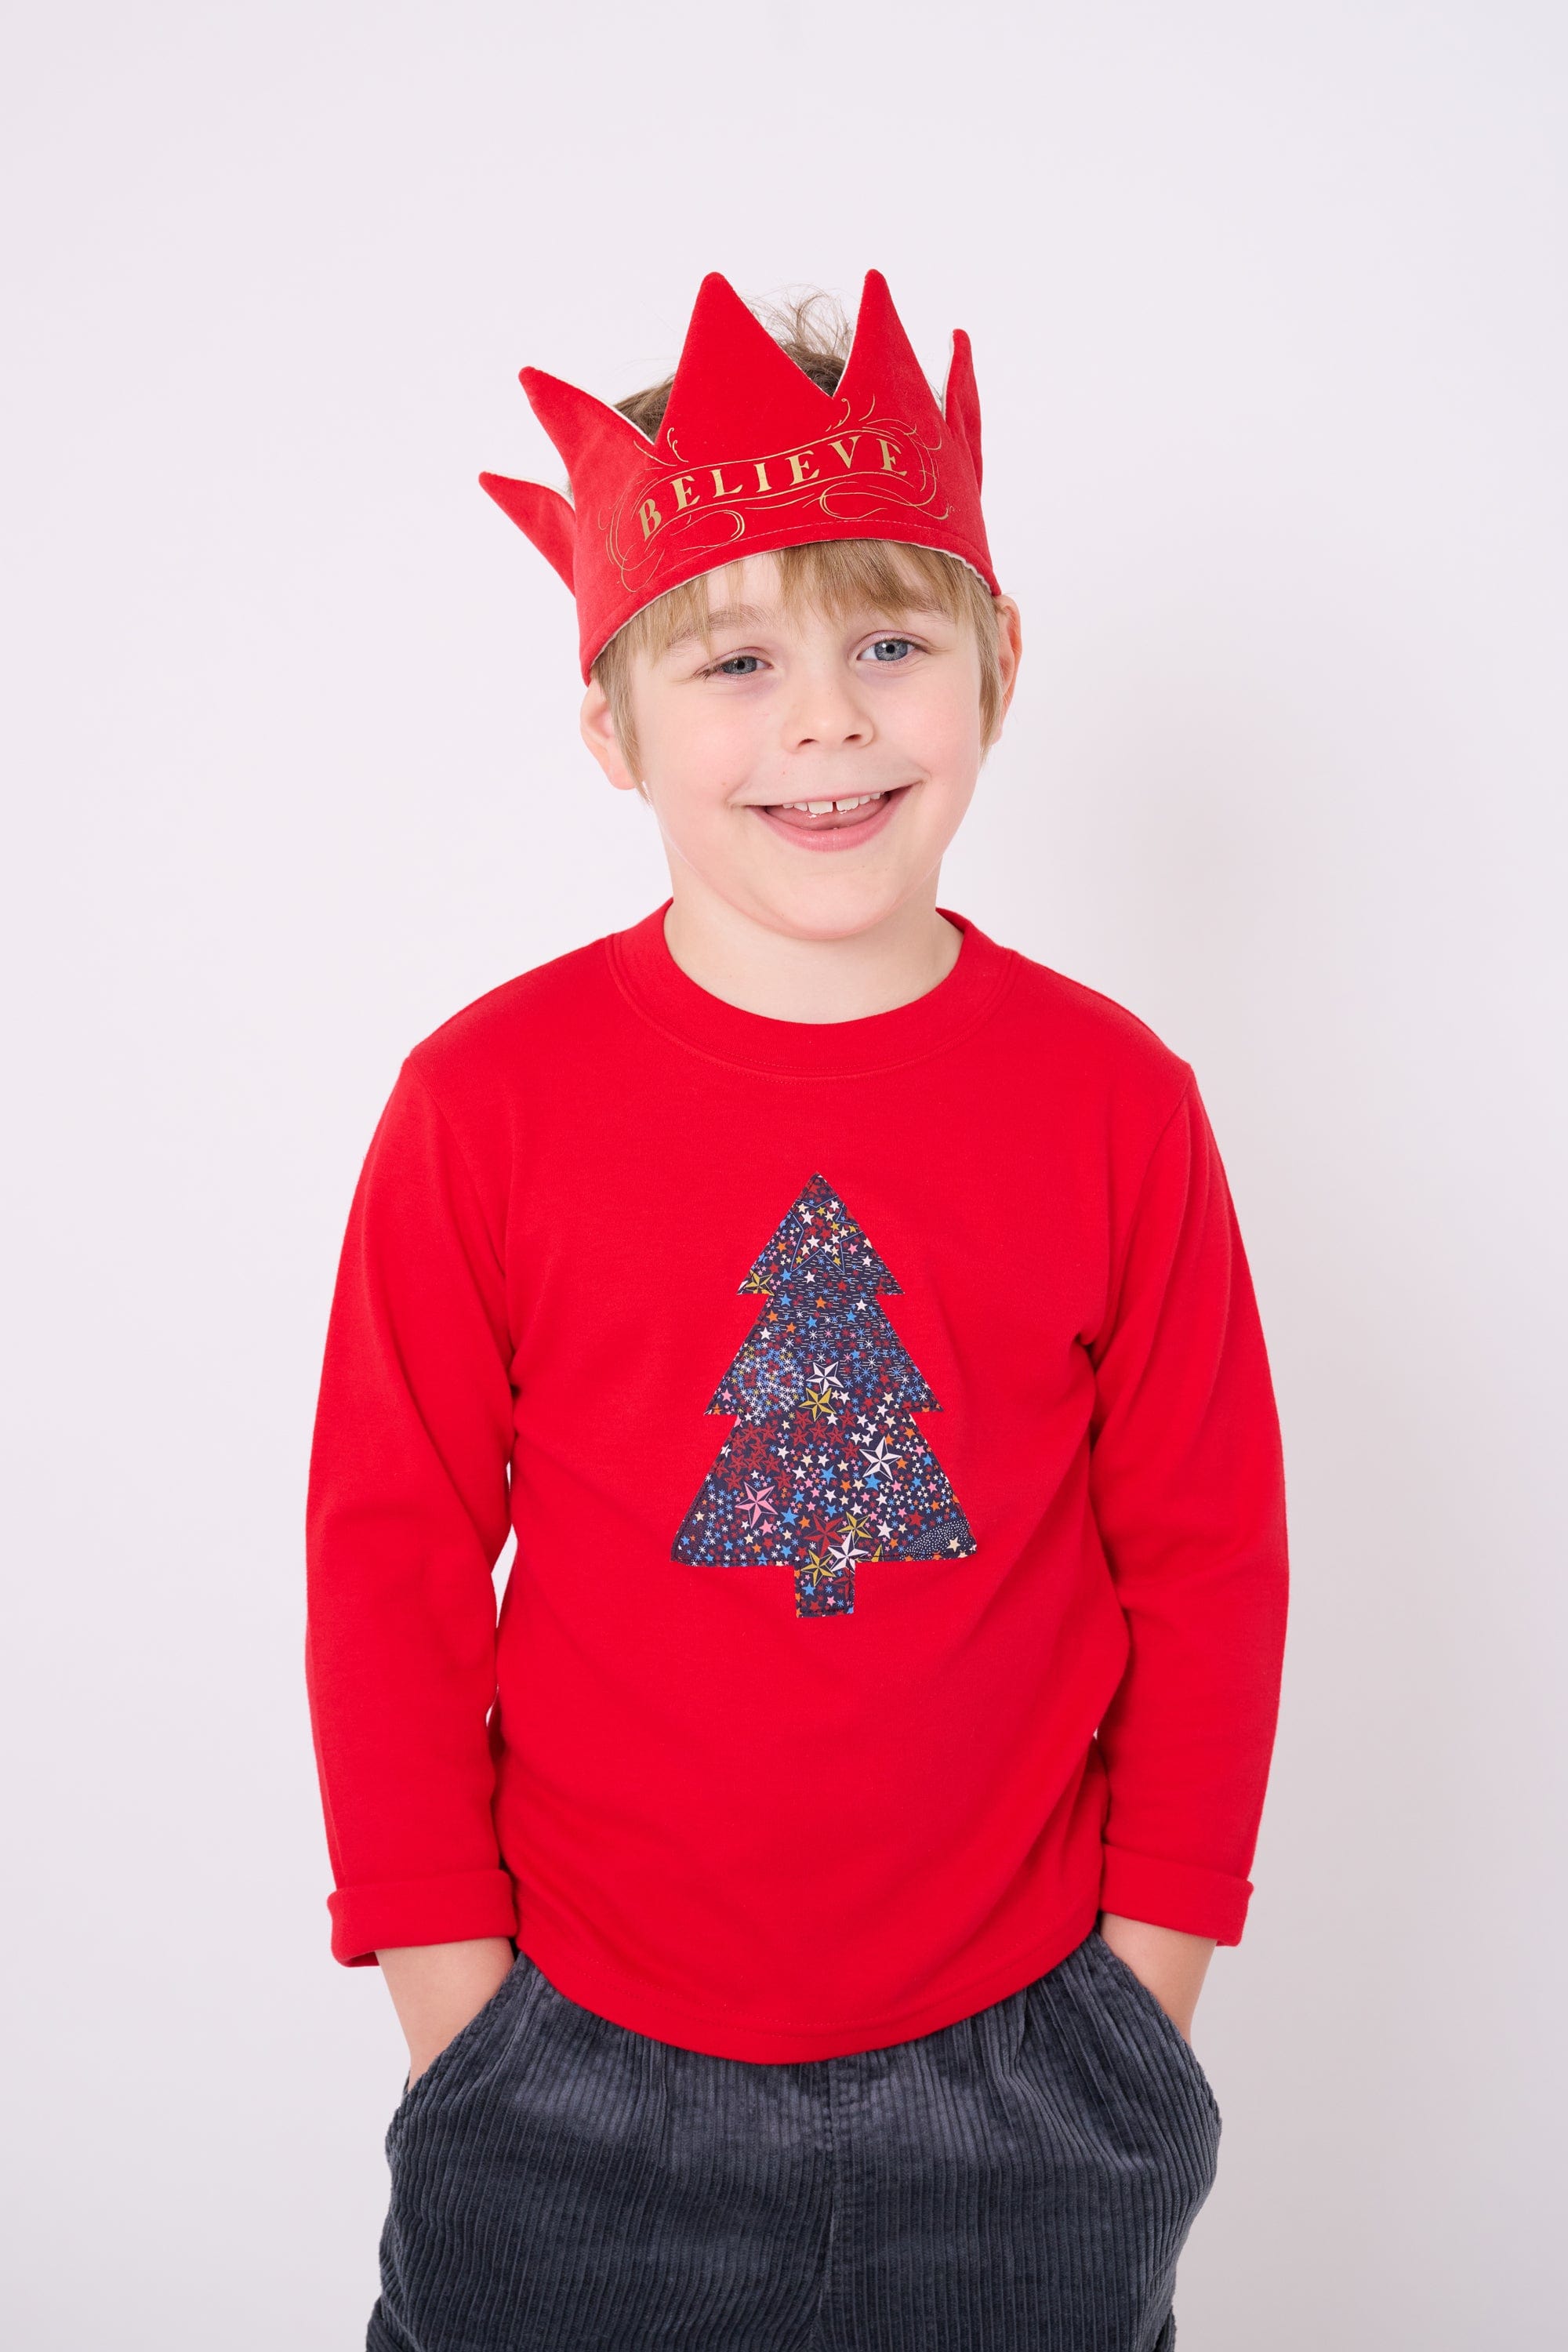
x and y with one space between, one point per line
456 1910
1180 1894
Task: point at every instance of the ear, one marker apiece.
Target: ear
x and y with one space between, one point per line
1010 652
599 734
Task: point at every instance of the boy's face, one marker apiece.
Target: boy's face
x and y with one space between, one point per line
790 707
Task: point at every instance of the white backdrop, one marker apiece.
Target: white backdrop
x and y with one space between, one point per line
1267 309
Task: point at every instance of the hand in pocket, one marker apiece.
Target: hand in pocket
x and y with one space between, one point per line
438 1988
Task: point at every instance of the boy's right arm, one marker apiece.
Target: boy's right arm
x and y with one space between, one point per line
409 1510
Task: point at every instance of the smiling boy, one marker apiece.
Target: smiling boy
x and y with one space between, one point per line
796 1905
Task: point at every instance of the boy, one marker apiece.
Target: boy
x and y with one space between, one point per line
795 1907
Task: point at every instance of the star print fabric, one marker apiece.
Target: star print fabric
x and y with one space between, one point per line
825 1468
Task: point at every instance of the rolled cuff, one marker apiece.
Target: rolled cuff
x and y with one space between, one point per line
456 1910
1180 1894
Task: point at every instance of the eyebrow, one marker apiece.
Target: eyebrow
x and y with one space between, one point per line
724 617
741 617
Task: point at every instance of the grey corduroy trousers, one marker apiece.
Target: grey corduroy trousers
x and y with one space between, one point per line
1020 2181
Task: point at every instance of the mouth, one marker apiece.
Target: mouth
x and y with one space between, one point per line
841 824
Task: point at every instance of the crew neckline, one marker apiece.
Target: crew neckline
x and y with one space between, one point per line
648 976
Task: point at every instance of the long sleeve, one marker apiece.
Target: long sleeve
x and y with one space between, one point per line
406 1517
1188 1491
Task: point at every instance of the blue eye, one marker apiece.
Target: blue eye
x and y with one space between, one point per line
726 668
879 648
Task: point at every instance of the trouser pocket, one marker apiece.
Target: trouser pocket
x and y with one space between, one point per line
454 2055
1157 2021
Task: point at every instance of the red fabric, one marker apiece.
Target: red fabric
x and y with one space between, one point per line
708 1818
752 455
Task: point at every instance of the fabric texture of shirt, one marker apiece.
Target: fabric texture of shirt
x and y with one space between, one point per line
882 1413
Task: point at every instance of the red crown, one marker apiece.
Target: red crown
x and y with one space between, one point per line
752 455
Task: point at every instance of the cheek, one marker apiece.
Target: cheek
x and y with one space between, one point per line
940 728
700 763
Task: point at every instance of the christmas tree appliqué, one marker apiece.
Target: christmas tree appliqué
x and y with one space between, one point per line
825 1467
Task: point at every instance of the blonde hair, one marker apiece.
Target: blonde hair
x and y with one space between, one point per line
836 577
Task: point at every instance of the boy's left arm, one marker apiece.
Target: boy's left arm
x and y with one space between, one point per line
1188 1480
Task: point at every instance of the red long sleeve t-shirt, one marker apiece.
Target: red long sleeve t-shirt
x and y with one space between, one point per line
883 1415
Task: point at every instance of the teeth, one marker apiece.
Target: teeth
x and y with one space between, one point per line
821 808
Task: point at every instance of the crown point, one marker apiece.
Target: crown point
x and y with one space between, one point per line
961 401
733 381
880 354
583 428
543 515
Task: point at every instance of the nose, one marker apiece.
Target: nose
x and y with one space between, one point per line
823 711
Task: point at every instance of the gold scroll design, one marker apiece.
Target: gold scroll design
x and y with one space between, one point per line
855 473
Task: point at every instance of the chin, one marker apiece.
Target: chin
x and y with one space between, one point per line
838 905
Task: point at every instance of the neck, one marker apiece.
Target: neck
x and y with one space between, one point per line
788 977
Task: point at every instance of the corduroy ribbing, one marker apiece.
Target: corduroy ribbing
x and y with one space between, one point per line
1020 2181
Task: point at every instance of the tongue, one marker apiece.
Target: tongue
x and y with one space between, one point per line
831 821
